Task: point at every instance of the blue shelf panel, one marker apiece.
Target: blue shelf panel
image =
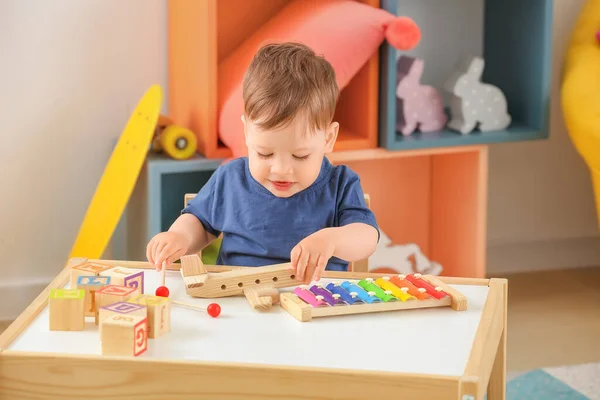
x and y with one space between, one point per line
517 46
168 181
447 138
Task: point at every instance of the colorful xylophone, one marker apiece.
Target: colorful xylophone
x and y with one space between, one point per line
367 295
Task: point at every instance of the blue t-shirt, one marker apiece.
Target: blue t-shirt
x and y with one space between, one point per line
260 228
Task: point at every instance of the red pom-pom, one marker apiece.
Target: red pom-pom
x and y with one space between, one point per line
162 291
598 36
214 310
403 33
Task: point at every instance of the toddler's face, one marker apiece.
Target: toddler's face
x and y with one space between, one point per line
287 160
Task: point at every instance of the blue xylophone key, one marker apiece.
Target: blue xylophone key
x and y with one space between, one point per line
361 293
344 294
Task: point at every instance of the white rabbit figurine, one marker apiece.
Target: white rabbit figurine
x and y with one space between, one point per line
474 102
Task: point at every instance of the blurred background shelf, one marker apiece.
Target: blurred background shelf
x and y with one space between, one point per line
218 27
514 37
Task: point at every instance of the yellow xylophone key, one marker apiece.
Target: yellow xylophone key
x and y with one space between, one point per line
396 291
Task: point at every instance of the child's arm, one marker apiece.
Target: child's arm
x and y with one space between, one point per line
186 236
353 242
199 238
354 238
193 230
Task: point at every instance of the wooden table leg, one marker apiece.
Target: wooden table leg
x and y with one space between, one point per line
496 389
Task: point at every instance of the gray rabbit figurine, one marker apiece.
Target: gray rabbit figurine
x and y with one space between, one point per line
473 102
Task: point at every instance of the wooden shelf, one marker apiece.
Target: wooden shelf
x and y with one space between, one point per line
202 34
517 42
434 197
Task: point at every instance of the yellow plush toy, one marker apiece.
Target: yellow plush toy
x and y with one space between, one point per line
581 90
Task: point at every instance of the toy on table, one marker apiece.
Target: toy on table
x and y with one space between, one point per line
368 295
162 290
213 309
474 102
126 317
67 309
258 284
418 105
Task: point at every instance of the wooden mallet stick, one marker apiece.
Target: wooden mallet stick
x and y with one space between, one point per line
213 309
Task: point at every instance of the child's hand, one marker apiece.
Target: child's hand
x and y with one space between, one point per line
309 257
166 247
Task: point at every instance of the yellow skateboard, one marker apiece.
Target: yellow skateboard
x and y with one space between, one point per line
119 178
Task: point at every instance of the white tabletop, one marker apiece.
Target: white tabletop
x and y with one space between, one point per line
427 341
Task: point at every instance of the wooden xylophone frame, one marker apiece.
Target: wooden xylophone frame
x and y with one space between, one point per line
260 286
305 312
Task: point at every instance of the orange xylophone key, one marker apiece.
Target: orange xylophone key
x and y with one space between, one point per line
417 280
401 294
412 289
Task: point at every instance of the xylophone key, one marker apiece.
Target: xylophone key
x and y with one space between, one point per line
382 294
396 291
348 298
327 296
418 292
434 291
308 297
360 292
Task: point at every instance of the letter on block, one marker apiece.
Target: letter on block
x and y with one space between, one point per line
66 308
87 269
124 335
111 294
120 308
159 313
91 284
126 277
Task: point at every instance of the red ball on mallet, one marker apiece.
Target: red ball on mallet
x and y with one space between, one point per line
214 310
162 291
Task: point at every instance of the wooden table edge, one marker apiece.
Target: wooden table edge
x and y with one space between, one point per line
483 365
485 372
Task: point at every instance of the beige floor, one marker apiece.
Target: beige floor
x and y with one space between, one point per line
553 318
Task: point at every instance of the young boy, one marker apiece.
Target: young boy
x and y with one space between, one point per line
285 201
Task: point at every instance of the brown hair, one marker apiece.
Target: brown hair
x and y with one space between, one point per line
286 79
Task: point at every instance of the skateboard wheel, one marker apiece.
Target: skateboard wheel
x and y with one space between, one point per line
178 142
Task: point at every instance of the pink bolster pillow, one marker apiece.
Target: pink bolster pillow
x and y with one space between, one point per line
346 32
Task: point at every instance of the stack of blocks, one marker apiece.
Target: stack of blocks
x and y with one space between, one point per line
114 296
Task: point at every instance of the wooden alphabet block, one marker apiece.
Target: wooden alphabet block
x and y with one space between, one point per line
111 294
120 308
159 313
124 335
126 277
86 269
66 307
475 103
90 285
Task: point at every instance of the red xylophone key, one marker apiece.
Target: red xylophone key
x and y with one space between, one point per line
417 280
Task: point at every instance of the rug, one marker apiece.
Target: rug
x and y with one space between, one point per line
573 382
